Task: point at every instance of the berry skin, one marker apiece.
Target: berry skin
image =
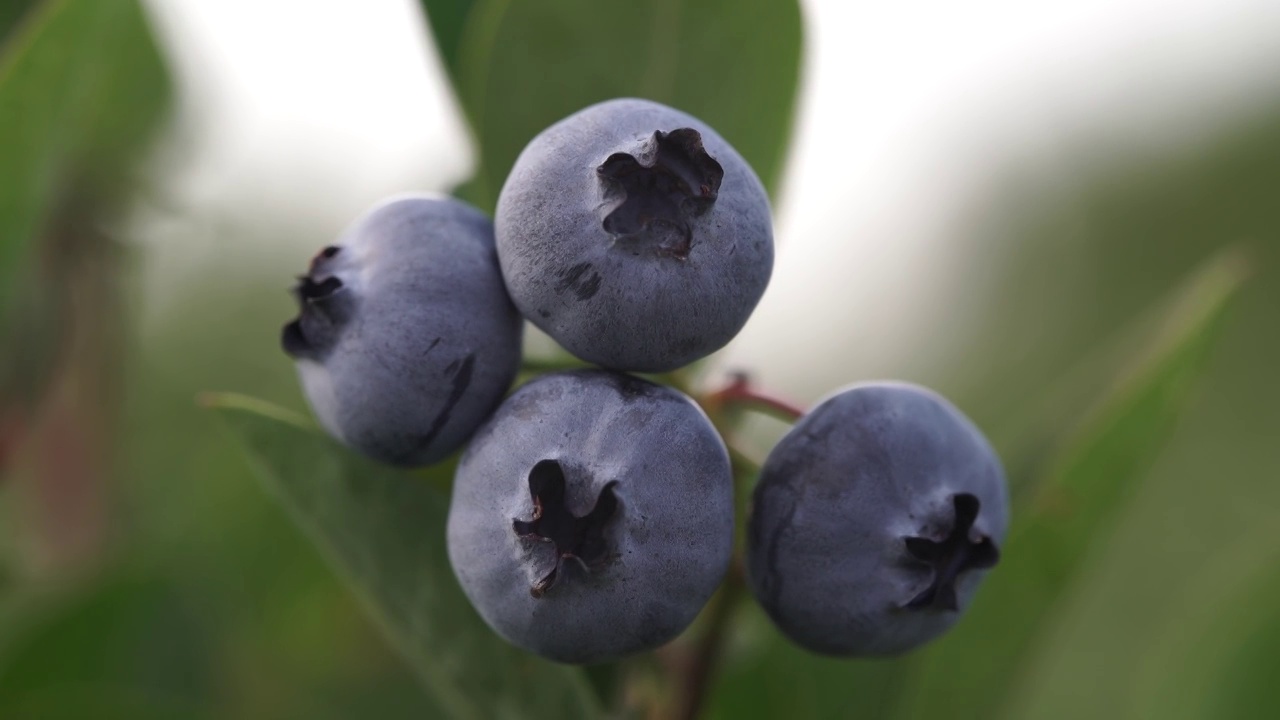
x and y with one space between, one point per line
592 516
874 519
406 339
635 236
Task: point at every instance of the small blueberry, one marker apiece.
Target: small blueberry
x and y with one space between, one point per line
874 520
406 339
635 236
592 516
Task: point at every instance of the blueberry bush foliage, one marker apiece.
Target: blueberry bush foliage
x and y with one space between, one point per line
206 585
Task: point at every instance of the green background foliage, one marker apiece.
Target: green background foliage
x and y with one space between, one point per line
83 88
1138 427
521 66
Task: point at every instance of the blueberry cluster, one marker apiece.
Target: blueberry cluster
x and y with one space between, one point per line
592 511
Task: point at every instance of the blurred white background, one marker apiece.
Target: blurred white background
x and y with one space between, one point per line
909 114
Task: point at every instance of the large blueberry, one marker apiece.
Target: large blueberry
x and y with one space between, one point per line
406 339
592 516
635 236
874 519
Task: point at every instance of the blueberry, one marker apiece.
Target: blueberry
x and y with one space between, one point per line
406 339
592 516
635 236
874 519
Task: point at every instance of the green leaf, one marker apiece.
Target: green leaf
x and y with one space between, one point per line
128 632
525 64
1220 644
384 530
82 87
969 672
100 702
12 14
447 19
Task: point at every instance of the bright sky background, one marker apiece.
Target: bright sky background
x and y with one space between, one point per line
907 112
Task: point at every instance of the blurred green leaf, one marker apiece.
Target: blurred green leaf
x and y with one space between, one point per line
82 87
447 19
12 13
525 64
384 529
1221 642
100 702
127 634
969 673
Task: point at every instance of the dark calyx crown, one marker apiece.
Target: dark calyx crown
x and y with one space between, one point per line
961 550
671 182
575 538
322 310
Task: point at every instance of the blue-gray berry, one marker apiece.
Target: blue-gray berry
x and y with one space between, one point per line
635 236
592 516
406 339
874 520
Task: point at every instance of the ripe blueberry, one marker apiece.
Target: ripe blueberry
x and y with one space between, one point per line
635 236
873 521
406 339
592 516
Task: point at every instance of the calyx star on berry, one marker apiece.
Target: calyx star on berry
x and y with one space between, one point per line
961 550
575 538
662 192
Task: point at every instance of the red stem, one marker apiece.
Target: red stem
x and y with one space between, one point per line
740 392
